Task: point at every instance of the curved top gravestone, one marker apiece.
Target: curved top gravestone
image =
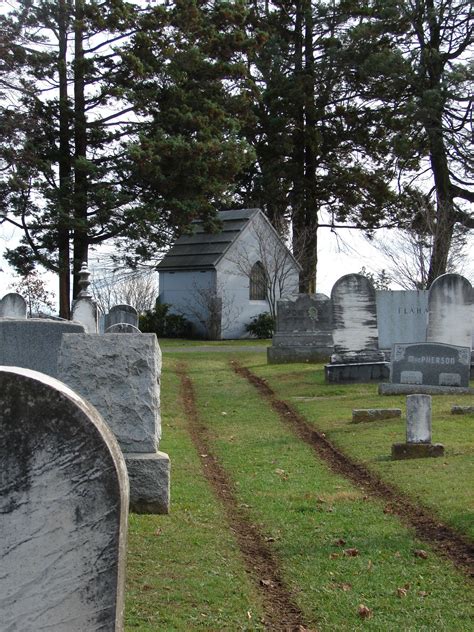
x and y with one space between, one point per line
450 309
64 504
121 314
122 328
354 313
13 305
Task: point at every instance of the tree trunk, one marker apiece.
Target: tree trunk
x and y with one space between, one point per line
64 169
80 141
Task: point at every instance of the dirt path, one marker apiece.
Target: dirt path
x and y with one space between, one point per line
427 527
281 612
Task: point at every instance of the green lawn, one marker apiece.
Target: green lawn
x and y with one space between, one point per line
185 570
440 483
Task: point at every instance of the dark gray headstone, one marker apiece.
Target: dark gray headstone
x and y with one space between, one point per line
121 314
402 316
354 311
13 305
450 304
34 343
303 329
430 364
63 507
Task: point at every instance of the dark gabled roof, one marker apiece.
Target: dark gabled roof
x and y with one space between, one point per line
201 250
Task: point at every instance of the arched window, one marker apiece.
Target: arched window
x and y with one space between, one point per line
258 282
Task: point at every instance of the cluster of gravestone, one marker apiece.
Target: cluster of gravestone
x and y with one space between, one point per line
421 341
427 334
79 435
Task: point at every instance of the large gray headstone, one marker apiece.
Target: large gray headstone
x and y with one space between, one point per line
450 305
119 375
121 314
303 329
34 343
430 364
402 316
13 305
122 328
354 311
63 507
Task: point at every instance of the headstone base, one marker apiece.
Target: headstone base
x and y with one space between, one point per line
423 389
462 410
374 414
286 355
401 451
149 477
357 372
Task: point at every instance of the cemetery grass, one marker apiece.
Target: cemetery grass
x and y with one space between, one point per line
171 343
184 570
441 484
336 547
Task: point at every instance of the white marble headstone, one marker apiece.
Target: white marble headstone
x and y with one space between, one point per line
450 304
63 507
13 305
354 317
418 418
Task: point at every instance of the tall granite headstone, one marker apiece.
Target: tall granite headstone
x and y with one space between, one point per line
356 355
13 305
84 308
303 330
63 507
120 376
450 304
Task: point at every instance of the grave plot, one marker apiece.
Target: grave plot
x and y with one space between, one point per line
336 548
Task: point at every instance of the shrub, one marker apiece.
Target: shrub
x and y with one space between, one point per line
261 326
158 321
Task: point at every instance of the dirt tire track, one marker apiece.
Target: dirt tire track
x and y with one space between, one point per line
427 527
281 612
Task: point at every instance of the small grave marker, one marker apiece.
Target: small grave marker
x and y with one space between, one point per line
418 434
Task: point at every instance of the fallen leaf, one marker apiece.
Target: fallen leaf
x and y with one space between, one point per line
369 565
147 587
203 455
420 553
344 587
267 583
388 509
364 612
270 539
224 413
334 556
397 554
339 542
249 614
422 593
351 552
159 531
402 592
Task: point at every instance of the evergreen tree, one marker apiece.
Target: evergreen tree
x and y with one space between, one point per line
411 57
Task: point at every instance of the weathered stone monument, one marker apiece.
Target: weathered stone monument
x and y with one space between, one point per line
84 308
33 343
13 305
356 355
119 374
121 314
63 507
450 304
402 316
303 330
418 434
